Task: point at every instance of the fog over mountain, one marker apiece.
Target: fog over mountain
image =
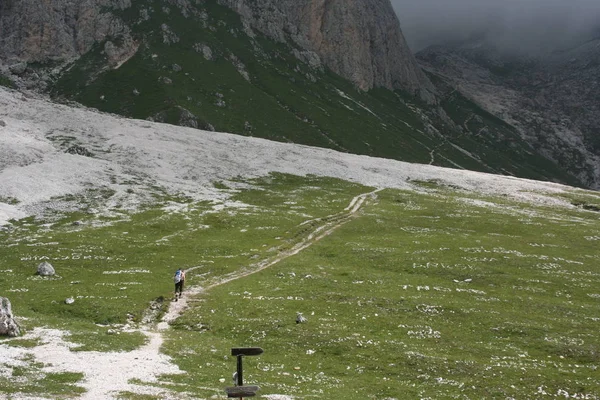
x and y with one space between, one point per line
522 25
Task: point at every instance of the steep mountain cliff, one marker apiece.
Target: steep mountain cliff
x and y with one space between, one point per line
552 100
360 40
58 30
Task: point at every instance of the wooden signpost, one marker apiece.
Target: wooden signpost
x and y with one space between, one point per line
239 390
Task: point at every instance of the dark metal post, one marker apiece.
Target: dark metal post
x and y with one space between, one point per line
240 379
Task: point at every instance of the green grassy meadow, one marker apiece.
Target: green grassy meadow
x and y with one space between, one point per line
431 294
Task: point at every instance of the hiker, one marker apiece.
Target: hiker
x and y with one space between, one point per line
179 280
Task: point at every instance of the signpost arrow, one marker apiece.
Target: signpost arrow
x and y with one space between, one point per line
246 351
241 391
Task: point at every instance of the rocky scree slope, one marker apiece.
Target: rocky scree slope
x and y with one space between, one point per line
130 162
553 100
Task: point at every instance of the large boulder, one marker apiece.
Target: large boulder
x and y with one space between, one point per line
8 325
45 269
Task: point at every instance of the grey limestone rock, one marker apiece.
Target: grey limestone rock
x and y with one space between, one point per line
300 319
45 269
58 30
359 39
204 50
169 37
8 325
186 118
80 151
117 54
18 68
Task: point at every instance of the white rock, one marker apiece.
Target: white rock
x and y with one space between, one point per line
45 269
8 325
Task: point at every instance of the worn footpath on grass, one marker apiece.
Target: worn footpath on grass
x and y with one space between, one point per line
105 375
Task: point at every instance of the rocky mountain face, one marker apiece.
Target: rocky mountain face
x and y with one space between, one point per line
58 30
552 100
358 39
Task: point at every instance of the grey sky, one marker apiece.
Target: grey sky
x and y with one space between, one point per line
516 24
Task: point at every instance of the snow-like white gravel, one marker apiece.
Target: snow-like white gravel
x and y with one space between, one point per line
105 374
35 169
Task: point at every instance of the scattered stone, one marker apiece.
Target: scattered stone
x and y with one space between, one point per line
80 151
169 37
220 102
69 300
176 67
19 68
300 319
241 68
186 118
165 80
8 325
136 92
309 57
2 123
45 269
152 313
204 50
119 53
144 15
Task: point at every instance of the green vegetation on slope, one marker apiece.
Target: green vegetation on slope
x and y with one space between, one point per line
202 69
438 294
4 81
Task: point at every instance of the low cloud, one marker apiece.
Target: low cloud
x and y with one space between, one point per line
522 25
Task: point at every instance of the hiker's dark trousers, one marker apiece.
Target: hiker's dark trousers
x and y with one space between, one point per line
179 287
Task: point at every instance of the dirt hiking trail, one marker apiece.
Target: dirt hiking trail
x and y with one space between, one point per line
327 226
